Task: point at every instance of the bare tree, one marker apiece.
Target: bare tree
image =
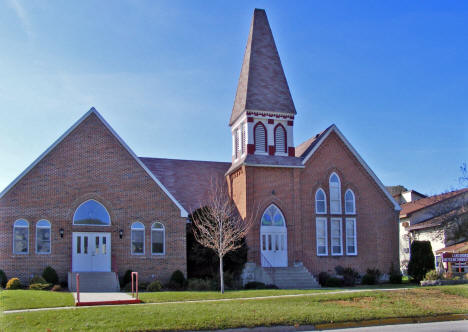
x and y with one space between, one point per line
463 179
219 226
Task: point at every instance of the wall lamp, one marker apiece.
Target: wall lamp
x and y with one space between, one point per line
121 233
61 232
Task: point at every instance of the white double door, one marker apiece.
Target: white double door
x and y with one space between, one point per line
274 246
91 252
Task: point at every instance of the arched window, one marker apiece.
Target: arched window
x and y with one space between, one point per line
350 202
138 238
320 202
280 139
91 213
335 194
43 237
157 239
21 237
260 137
272 217
236 140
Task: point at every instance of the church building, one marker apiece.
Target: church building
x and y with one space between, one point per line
89 204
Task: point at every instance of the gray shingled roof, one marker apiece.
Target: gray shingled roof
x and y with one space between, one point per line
262 84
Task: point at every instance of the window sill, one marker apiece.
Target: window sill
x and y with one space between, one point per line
351 254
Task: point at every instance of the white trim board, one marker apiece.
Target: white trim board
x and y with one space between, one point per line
183 212
335 129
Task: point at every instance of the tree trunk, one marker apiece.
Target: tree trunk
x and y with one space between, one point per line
221 274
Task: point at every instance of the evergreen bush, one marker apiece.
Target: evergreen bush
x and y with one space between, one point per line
177 281
37 280
50 275
40 286
3 279
154 286
323 277
421 260
371 277
14 283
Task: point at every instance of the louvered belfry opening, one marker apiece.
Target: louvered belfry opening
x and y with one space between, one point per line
260 137
280 139
237 143
243 139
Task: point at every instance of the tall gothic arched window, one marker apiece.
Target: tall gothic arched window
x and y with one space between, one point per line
280 139
320 202
350 202
335 194
260 137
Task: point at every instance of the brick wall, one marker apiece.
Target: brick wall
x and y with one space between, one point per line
293 191
90 163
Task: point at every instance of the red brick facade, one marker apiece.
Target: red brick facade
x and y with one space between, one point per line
293 191
90 163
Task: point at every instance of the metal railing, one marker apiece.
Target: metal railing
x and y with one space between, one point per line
78 288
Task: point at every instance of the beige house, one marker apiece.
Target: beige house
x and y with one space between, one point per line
441 219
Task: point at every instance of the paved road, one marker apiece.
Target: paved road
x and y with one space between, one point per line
451 326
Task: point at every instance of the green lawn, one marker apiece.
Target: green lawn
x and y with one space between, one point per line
192 296
29 299
302 310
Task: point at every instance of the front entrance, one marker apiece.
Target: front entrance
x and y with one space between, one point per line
91 252
273 238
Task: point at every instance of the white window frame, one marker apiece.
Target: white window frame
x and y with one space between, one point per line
92 225
325 225
131 238
50 236
354 202
340 223
163 231
355 238
324 201
331 195
27 236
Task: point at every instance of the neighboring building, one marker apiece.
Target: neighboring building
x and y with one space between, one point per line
90 204
441 219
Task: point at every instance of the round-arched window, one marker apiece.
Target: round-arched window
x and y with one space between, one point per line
91 213
21 236
43 237
272 217
157 239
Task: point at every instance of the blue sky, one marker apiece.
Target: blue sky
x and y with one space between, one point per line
392 75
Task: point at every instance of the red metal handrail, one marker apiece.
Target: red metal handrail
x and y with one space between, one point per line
78 287
135 277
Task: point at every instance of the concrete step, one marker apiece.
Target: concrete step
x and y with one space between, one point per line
294 277
94 282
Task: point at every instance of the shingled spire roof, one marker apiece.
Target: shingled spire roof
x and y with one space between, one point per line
262 84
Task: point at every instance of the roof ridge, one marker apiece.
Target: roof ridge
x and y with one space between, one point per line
190 160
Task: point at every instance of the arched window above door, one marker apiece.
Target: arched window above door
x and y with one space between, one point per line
91 213
273 217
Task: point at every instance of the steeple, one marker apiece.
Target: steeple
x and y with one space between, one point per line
262 84
263 114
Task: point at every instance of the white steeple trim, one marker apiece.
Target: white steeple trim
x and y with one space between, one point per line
183 212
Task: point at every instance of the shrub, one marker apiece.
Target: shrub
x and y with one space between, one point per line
56 288
3 279
177 281
433 275
334 282
323 278
14 283
40 286
255 285
128 287
350 276
37 280
50 275
126 278
154 286
395 275
421 260
196 284
371 277
457 278
339 270
465 276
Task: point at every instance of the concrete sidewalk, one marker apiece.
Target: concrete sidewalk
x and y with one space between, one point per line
102 297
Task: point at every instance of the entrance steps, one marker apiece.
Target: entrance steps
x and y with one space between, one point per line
94 282
292 277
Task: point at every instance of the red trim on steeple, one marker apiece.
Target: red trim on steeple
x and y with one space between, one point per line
271 150
291 151
271 121
260 123
250 148
285 136
290 123
249 119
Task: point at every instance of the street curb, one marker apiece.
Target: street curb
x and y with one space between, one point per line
344 325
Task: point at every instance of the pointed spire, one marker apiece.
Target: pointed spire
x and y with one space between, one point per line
262 84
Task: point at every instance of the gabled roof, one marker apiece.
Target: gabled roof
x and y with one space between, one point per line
411 207
262 84
183 212
188 180
434 221
311 145
266 161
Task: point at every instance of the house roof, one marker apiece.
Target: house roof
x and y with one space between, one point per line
262 84
303 149
183 212
411 207
188 180
456 248
437 220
